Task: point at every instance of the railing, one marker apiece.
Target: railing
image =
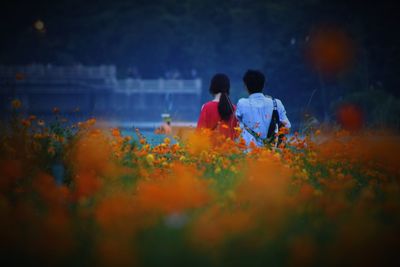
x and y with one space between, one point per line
160 85
100 77
50 72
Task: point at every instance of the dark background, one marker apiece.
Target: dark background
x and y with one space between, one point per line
148 39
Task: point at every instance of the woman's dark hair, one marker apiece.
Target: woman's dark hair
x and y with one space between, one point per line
220 84
254 81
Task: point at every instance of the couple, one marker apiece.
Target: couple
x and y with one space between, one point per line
258 116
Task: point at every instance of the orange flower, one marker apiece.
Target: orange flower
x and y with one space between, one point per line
142 141
26 122
283 130
303 250
10 170
116 132
93 152
86 184
350 117
32 117
198 142
47 189
216 225
51 150
179 191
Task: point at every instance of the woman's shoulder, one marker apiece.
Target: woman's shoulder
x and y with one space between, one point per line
210 104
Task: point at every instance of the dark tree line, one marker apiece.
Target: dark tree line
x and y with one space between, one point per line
208 36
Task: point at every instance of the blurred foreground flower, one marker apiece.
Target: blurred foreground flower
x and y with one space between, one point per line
350 117
203 200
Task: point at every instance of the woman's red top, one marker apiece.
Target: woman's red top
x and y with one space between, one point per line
210 119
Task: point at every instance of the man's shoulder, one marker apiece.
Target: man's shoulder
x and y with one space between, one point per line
280 105
272 98
278 101
242 101
245 100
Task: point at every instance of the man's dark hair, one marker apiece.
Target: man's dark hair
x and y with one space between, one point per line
254 81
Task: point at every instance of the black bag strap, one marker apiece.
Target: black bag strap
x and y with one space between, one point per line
275 122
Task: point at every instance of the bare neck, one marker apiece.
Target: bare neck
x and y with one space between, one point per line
217 97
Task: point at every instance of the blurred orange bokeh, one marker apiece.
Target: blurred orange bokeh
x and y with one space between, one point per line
350 117
330 50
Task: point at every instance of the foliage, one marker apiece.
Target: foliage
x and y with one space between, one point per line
229 36
380 109
324 199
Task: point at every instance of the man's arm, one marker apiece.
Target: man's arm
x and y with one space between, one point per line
239 110
282 114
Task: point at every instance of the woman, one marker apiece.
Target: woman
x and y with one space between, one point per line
219 114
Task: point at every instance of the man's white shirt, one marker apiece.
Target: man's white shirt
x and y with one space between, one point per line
256 112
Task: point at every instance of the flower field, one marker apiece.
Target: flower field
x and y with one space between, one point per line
77 195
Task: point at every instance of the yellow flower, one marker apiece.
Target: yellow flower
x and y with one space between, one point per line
150 158
217 170
37 136
16 103
231 195
238 129
39 25
224 126
233 169
317 192
91 121
167 141
304 174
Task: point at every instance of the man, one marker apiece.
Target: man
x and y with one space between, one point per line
255 112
